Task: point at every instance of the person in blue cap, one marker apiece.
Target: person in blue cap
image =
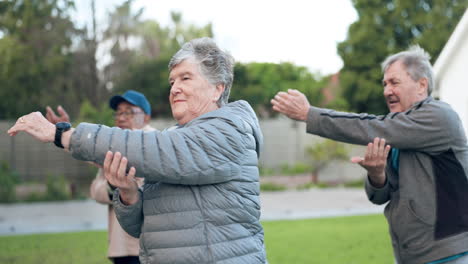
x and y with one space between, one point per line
132 111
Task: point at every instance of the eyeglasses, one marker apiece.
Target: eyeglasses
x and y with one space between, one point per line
126 114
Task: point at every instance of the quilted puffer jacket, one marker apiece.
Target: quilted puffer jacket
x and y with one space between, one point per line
200 202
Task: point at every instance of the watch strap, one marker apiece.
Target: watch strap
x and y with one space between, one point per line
59 129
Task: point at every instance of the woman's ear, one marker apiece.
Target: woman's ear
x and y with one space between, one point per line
219 91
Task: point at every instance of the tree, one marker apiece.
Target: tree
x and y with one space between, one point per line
85 72
182 32
35 54
98 115
321 154
259 82
385 27
151 78
123 26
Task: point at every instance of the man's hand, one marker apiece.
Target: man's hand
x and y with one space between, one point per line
375 161
53 118
115 171
293 104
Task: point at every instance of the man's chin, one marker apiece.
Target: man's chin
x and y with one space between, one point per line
393 108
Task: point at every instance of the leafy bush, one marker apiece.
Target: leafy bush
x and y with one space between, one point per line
8 180
102 115
298 168
57 188
34 197
321 154
355 184
266 171
272 187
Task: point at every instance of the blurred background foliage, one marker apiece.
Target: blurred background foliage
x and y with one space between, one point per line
46 59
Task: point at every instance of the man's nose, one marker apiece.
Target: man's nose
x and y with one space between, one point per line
388 91
121 117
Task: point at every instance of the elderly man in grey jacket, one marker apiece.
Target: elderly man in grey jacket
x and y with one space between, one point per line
200 202
425 182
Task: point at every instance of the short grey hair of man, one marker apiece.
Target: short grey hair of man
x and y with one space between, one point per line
216 66
417 63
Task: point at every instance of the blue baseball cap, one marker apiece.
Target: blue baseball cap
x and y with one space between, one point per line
132 97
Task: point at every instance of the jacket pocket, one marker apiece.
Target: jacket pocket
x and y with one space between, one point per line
411 204
414 232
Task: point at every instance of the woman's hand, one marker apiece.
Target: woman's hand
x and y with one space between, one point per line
375 161
115 172
36 125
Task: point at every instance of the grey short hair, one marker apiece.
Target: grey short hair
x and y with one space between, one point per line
216 66
417 63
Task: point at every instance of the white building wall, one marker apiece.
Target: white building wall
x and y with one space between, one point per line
451 71
453 81
454 84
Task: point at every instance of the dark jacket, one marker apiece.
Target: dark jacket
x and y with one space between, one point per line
427 210
200 202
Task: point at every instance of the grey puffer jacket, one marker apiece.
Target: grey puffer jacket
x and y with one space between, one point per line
200 202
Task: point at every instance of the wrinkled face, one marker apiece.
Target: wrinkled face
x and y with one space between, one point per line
191 94
128 116
400 90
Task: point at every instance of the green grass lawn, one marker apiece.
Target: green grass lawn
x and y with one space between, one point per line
343 240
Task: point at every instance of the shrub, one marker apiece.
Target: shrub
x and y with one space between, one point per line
321 154
8 180
57 188
355 184
266 171
99 115
297 168
272 187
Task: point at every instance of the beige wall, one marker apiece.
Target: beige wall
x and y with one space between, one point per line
34 160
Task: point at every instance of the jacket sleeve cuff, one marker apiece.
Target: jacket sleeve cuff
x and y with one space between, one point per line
377 195
312 122
130 217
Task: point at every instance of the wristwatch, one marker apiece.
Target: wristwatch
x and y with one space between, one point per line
60 127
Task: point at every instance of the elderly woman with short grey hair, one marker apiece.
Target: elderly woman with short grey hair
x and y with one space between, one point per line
200 202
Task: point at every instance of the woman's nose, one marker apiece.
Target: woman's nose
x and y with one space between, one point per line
175 88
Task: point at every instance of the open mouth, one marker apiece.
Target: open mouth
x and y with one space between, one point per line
392 101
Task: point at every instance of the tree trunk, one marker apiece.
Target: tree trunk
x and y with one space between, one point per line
314 177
